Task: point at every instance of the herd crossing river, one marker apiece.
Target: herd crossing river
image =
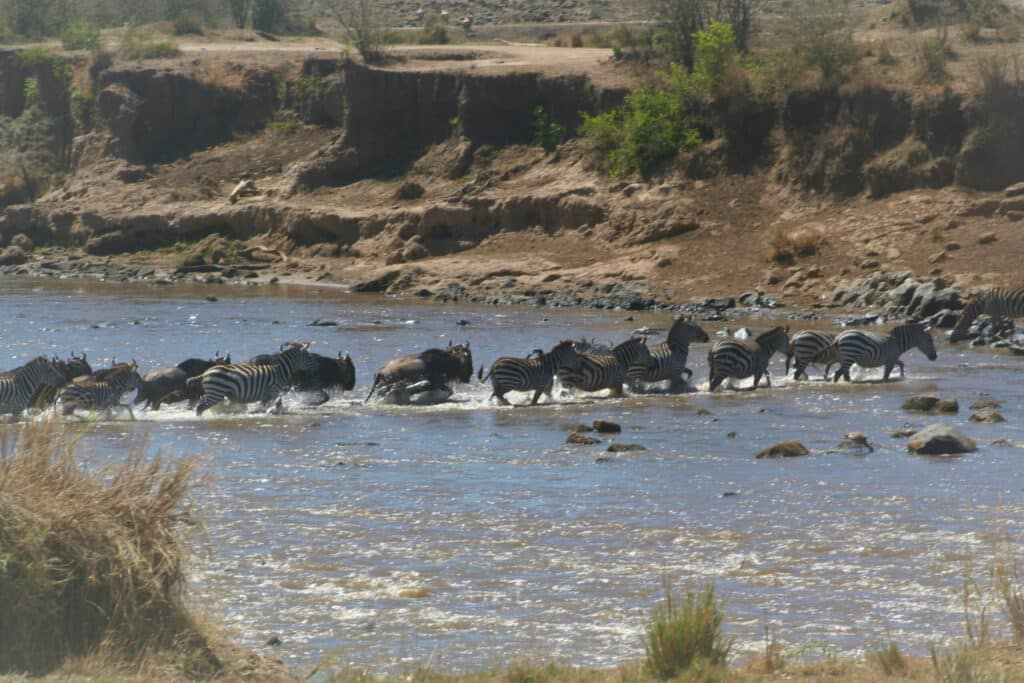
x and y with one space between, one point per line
470 532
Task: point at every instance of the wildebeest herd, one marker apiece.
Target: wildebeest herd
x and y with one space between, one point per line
72 385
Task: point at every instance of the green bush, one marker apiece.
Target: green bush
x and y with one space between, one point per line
434 32
267 15
546 133
188 23
933 53
652 125
686 633
81 35
716 53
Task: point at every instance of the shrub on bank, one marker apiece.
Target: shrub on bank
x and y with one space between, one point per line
91 562
686 632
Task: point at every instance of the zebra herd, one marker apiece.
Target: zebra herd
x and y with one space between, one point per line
71 385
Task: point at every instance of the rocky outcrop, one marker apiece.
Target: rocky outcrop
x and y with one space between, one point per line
149 114
391 116
786 449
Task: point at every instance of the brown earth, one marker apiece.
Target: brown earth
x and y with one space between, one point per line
420 178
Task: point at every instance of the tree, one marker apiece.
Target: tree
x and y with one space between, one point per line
364 27
240 12
680 20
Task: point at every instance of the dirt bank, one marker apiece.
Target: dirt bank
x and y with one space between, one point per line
422 179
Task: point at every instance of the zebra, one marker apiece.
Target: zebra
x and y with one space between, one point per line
998 303
249 382
742 358
811 347
100 394
869 350
523 374
668 359
629 360
18 387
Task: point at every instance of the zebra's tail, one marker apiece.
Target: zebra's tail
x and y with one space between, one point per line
481 376
789 359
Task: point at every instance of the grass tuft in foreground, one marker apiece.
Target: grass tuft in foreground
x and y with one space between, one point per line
92 563
686 632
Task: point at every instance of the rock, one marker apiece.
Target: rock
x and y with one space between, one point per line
320 322
988 416
940 440
985 403
902 433
581 439
625 447
274 640
923 404
23 242
602 459
931 404
580 427
607 427
409 190
987 238
1014 190
985 208
13 256
786 449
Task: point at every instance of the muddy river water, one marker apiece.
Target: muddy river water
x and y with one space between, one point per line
469 534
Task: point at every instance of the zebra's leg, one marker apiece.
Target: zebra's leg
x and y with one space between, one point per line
767 379
842 371
888 371
715 382
206 402
827 366
536 396
616 391
903 372
689 374
800 368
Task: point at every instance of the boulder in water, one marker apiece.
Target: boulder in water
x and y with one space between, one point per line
940 440
607 427
625 447
581 439
786 449
988 416
931 404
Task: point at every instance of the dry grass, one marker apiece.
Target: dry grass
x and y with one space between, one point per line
91 563
784 247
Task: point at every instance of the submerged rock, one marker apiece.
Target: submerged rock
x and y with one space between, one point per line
983 403
607 427
988 416
625 447
931 404
581 439
786 449
856 440
940 440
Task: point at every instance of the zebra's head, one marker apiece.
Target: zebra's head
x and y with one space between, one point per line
920 335
564 355
125 376
685 332
776 339
634 353
295 357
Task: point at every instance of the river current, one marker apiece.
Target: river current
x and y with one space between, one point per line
470 534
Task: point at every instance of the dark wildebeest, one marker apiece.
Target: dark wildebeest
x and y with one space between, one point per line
432 370
330 374
169 385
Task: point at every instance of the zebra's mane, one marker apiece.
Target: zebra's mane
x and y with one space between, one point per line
764 336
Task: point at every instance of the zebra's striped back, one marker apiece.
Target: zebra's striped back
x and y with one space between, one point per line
536 374
629 360
998 303
668 359
99 394
809 347
251 382
19 386
870 350
743 358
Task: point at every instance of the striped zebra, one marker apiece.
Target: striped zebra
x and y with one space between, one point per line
810 347
630 360
251 382
525 374
739 358
668 359
870 350
100 394
19 386
997 303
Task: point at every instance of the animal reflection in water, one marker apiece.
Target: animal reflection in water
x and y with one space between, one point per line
424 378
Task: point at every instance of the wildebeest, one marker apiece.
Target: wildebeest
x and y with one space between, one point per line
429 371
169 385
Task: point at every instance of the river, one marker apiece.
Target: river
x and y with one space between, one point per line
470 534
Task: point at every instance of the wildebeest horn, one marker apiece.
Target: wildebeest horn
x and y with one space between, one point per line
449 343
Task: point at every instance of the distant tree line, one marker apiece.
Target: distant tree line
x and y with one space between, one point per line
39 18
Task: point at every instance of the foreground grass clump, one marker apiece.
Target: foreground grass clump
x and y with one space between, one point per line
91 563
686 632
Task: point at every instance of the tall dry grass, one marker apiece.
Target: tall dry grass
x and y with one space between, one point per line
92 562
